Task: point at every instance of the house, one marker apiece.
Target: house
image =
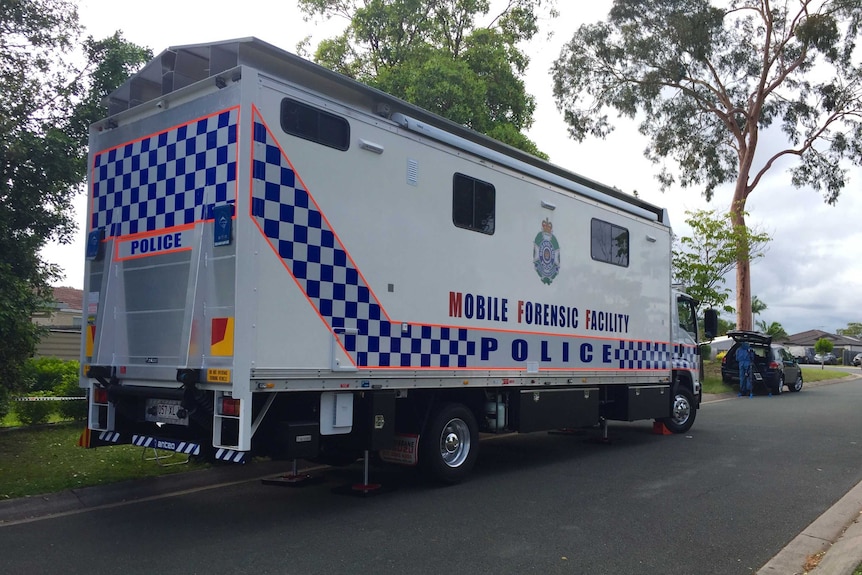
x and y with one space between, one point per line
63 318
845 347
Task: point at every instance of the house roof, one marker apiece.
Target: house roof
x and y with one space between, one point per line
72 298
810 337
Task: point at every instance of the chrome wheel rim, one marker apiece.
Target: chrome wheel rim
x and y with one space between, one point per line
455 442
681 410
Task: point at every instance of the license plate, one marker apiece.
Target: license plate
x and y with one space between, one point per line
166 411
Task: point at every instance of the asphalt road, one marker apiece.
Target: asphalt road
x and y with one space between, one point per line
723 499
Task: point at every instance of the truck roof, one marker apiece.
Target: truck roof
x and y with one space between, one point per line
180 66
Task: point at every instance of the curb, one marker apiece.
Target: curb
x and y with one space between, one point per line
837 534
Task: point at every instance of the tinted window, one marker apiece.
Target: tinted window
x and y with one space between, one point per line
609 243
473 204
312 124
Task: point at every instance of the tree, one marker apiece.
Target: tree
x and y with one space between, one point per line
775 329
701 261
757 305
823 346
434 55
708 83
853 329
46 104
725 326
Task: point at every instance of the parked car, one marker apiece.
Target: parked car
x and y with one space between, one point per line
773 367
802 354
826 358
857 359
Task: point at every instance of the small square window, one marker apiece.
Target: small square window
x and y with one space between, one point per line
609 243
473 204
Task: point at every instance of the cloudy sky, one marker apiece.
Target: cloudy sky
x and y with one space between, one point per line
810 277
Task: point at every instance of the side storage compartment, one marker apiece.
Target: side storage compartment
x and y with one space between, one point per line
545 409
375 420
636 402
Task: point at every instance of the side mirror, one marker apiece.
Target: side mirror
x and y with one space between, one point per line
710 323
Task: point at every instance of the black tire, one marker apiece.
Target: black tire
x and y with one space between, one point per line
779 384
450 443
796 385
682 411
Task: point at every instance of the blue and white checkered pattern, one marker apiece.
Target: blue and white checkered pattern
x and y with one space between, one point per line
642 354
298 232
685 357
167 179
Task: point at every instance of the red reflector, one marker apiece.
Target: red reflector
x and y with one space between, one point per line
100 395
774 365
230 406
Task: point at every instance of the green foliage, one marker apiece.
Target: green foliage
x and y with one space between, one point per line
46 103
775 329
52 375
436 56
701 261
823 345
34 412
725 326
757 305
4 402
853 329
72 410
36 165
706 79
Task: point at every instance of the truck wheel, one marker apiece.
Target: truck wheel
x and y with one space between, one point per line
450 443
682 412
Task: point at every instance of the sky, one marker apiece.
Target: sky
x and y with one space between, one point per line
810 276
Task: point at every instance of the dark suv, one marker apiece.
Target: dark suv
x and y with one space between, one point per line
773 368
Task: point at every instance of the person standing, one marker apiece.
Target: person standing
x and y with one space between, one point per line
743 358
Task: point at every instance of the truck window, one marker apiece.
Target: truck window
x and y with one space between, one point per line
687 318
609 243
304 121
473 204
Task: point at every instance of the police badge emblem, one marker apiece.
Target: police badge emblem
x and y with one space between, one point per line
546 253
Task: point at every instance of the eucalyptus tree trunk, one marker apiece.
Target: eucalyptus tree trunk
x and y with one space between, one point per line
743 261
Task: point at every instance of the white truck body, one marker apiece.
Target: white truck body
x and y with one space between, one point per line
286 262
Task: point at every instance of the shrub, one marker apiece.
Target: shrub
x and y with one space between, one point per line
75 410
4 402
34 412
52 375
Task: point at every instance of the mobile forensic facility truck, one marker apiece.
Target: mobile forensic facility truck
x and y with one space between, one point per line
284 262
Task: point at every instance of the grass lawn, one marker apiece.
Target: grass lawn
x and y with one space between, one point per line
46 459
713 384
